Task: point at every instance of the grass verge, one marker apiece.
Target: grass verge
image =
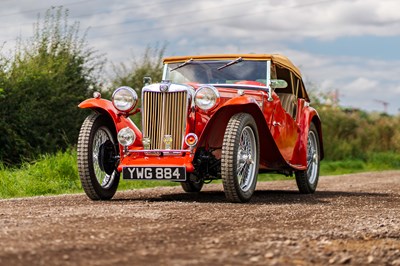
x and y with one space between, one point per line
58 174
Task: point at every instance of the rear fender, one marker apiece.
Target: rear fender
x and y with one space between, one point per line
106 107
308 115
213 134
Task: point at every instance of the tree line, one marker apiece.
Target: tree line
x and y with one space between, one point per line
52 72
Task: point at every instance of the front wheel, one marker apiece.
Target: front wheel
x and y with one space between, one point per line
307 180
97 157
240 158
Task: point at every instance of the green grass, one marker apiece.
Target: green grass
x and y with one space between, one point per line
58 174
374 162
54 174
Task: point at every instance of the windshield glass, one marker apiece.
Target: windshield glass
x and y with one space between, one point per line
206 72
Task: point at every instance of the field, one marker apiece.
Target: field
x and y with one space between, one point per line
58 174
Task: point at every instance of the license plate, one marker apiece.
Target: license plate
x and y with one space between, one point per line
155 173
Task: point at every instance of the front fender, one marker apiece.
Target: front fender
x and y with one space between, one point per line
106 107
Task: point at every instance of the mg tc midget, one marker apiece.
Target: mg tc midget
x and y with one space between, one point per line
211 117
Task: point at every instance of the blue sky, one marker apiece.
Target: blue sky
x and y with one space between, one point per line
351 46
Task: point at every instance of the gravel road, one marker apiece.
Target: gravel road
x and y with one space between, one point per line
350 220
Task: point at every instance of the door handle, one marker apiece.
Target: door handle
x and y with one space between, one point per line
276 124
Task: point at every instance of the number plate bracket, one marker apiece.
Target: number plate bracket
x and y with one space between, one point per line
172 173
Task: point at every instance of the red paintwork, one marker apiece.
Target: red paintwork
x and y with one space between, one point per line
281 147
142 160
106 107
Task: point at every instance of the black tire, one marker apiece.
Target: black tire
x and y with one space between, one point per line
97 151
307 180
192 186
240 158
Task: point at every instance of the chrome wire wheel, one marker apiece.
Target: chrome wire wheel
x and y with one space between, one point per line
307 180
101 136
97 157
312 157
245 159
239 158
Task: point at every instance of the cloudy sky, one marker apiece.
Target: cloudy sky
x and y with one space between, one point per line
348 46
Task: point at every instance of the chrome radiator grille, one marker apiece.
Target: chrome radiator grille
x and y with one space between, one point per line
164 114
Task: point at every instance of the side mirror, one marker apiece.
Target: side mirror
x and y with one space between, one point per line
146 81
278 84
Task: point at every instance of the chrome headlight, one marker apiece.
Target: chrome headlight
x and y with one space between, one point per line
206 97
124 99
126 136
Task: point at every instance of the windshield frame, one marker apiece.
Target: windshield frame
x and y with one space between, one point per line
167 73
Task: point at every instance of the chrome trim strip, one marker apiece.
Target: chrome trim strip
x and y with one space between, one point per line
270 99
165 71
162 151
172 88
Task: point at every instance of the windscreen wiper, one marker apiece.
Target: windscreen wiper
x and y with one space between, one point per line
182 65
237 60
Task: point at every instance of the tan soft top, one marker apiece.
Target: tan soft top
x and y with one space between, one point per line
275 58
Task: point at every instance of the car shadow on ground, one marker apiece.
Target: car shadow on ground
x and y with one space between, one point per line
259 197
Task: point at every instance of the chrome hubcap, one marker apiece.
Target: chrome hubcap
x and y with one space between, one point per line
312 158
246 157
101 136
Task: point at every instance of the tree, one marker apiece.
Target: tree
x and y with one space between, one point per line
149 65
41 87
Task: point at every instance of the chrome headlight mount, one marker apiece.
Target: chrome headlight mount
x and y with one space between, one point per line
206 97
124 99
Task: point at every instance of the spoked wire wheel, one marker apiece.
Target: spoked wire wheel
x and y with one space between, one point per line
97 157
240 158
245 159
307 180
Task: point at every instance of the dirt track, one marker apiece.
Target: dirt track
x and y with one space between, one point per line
352 219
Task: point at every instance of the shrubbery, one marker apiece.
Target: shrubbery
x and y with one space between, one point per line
357 135
149 65
40 88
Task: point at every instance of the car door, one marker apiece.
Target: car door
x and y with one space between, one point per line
283 127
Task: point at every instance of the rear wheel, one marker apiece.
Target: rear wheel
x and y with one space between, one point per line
192 186
307 180
97 157
240 158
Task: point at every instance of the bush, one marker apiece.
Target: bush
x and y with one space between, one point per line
41 87
356 134
150 65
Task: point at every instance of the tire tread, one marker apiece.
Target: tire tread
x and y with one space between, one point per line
228 163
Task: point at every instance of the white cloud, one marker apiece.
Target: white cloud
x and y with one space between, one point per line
122 29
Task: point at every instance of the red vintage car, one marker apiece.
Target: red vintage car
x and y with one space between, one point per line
228 117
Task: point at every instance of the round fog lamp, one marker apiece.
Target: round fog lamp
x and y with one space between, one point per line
126 136
191 139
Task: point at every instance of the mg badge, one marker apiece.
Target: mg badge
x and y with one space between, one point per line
164 85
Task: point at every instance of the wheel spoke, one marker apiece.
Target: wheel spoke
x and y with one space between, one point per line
245 159
312 157
100 137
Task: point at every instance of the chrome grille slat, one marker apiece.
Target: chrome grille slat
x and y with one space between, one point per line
164 114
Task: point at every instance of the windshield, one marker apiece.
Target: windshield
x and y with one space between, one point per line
207 72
